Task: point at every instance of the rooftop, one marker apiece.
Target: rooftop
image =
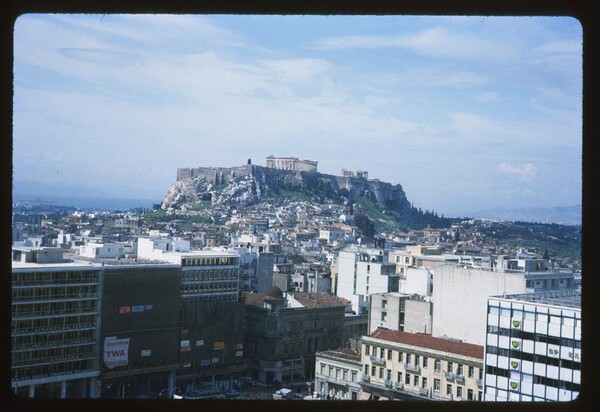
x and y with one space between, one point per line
427 341
564 298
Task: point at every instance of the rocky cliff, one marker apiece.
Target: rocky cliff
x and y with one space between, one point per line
262 184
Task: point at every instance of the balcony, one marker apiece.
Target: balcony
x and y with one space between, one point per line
399 385
449 375
479 382
365 378
459 378
449 396
412 368
388 383
379 361
424 391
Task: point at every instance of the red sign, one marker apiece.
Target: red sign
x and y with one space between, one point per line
125 310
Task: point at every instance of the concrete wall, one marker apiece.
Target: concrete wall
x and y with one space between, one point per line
418 280
460 300
418 316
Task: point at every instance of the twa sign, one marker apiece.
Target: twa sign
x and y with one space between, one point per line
116 352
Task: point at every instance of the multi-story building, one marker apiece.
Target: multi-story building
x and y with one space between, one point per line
284 332
533 347
337 375
398 311
55 324
460 294
362 272
402 365
212 335
140 328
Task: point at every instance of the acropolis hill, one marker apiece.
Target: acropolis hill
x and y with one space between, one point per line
251 184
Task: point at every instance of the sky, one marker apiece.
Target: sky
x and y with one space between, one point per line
465 112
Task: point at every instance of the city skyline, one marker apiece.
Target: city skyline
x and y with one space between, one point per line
465 113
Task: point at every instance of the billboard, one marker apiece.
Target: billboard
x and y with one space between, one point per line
116 352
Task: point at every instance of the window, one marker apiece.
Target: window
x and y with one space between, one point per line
337 373
437 365
424 382
322 369
470 394
450 367
366 369
448 389
367 349
424 361
373 370
345 375
390 354
416 380
399 380
471 371
408 358
389 375
353 376
459 391
383 304
399 356
407 379
331 371
380 373
417 359
436 385
459 370
373 351
383 316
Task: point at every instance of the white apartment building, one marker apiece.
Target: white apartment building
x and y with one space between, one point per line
362 272
417 366
533 347
101 250
337 375
399 311
460 295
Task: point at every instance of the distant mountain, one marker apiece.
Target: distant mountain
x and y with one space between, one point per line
567 215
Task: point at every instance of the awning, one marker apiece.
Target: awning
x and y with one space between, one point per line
383 398
364 396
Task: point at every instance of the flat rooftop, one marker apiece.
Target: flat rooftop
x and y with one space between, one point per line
565 298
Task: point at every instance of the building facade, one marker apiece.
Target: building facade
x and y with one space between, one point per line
212 314
397 311
401 365
533 347
337 375
285 331
291 163
362 272
55 325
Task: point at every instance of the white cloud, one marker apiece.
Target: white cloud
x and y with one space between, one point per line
435 41
523 173
296 70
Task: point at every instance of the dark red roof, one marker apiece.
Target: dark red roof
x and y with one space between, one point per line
428 341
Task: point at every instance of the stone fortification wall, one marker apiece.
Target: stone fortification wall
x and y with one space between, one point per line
214 175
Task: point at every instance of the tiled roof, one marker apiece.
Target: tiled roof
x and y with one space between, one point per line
430 342
313 299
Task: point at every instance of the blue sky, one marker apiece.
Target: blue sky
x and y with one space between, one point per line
466 113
